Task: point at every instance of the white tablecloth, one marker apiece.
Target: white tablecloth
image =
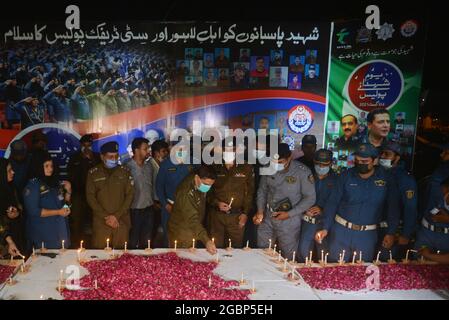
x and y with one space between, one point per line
41 281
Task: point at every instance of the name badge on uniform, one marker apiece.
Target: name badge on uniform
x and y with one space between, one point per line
380 183
221 175
410 194
290 179
172 169
100 179
240 175
43 190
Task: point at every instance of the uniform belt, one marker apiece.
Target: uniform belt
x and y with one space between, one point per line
308 219
353 226
383 224
434 228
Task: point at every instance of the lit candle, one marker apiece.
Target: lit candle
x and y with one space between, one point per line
193 244
360 256
377 258
353 257
230 203
325 258
107 243
81 245
269 246
274 248
176 243
343 255
149 244
230 244
43 247
391 256
126 246
340 259
294 256
23 261
213 240
310 256
247 244
322 256
63 245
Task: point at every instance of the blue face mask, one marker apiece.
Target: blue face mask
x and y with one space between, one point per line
321 171
204 188
111 164
278 166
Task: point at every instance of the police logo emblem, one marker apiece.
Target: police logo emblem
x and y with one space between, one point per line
409 28
380 183
409 194
290 179
385 32
300 119
363 35
42 188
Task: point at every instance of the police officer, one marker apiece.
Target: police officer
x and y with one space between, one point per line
282 198
46 202
79 165
325 180
308 147
390 160
171 173
355 208
230 199
433 233
189 209
109 192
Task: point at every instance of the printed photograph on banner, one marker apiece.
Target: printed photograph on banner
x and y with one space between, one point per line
297 64
196 68
182 67
208 60
333 127
278 77
259 66
312 71
265 121
198 54
223 77
222 56
244 55
210 77
276 58
189 53
294 81
311 56
240 75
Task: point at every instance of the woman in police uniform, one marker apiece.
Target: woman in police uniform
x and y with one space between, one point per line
9 208
46 202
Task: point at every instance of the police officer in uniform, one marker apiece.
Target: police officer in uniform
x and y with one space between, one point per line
355 208
282 198
171 173
230 199
390 160
189 209
109 193
47 202
79 165
325 180
308 147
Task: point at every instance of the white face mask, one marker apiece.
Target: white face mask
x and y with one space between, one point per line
321 171
228 157
259 154
386 163
278 166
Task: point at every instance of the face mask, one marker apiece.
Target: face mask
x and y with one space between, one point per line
111 164
182 155
321 171
228 157
204 188
259 154
362 168
386 163
278 166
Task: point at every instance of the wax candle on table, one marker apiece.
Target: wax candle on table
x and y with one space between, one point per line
360 257
107 243
310 256
322 255
230 244
325 258
62 247
213 240
378 256
274 248
269 246
406 255
293 259
149 244
230 203
353 257
43 247
176 243
343 255
391 256
193 243
126 246
307 261
247 244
